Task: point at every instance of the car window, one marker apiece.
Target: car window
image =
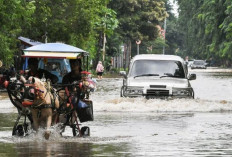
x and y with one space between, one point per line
160 67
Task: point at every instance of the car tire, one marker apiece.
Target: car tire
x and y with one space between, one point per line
122 91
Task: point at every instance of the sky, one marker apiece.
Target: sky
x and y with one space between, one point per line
175 7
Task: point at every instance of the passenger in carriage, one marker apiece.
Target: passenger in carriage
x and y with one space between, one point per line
72 77
75 74
39 73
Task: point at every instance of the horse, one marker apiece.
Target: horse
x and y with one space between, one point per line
42 101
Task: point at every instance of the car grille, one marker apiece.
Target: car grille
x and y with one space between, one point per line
157 86
152 92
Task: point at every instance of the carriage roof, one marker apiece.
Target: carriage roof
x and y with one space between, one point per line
54 50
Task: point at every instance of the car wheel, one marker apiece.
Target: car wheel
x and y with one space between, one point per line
122 92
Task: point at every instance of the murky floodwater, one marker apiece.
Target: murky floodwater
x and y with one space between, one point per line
140 127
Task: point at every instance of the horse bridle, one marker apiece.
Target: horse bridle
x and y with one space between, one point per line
30 92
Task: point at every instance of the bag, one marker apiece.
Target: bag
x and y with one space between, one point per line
85 110
81 104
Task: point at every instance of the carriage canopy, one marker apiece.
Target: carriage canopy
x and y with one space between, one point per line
54 50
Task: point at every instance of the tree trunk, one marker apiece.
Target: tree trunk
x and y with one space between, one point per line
129 54
124 57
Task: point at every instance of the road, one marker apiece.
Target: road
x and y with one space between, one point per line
140 127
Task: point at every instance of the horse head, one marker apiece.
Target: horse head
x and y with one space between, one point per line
34 92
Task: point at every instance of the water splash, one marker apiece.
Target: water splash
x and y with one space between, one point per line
157 105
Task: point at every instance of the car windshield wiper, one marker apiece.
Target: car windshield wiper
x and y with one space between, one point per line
146 75
167 75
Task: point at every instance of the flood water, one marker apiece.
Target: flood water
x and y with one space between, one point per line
139 127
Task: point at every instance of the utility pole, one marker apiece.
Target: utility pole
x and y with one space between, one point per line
165 27
104 47
104 40
46 38
138 42
137 49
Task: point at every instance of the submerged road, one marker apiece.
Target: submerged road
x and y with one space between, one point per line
139 127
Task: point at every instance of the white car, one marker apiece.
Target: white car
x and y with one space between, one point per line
157 76
198 64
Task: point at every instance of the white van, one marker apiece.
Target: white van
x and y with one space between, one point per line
157 76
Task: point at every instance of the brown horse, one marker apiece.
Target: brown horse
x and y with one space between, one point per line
40 98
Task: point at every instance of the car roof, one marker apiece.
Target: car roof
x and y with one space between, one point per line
157 57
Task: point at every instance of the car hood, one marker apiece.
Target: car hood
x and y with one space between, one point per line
165 81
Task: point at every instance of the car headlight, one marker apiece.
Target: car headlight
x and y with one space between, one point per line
181 92
136 91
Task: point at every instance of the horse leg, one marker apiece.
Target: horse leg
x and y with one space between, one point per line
57 103
47 114
55 116
35 118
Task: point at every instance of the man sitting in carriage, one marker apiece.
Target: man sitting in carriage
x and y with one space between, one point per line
72 77
77 92
75 74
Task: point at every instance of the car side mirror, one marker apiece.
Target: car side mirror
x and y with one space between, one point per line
123 73
192 77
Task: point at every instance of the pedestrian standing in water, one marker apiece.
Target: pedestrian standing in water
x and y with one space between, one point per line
99 70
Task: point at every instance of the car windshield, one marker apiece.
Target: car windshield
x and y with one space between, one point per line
157 68
199 62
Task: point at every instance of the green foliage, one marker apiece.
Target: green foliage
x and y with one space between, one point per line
150 47
12 15
107 22
207 27
114 43
138 18
79 23
70 21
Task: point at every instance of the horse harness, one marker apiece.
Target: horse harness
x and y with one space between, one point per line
50 91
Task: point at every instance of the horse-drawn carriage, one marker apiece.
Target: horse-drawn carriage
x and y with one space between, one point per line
40 103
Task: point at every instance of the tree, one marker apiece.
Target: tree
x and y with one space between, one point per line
105 26
138 20
70 21
12 14
207 29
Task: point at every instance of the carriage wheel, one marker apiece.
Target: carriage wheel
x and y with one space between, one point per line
18 130
85 131
75 130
